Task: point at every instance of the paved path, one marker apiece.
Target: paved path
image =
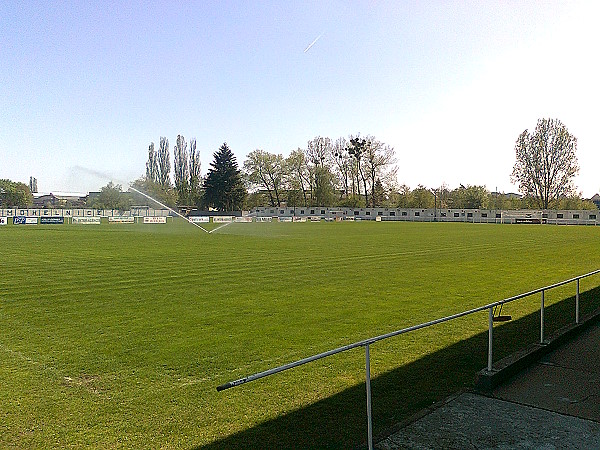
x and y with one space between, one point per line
554 404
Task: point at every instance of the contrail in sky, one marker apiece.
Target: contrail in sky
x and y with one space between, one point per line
313 42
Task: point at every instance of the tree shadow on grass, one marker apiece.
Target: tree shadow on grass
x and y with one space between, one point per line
340 421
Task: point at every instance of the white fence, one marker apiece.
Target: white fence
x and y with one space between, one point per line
575 217
83 212
554 217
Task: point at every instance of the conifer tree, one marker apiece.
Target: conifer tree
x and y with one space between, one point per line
223 187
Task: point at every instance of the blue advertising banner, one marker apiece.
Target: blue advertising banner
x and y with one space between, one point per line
52 220
24 220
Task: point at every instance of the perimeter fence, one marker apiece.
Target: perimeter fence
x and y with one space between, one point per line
491 308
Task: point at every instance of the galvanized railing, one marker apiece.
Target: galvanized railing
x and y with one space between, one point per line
367 342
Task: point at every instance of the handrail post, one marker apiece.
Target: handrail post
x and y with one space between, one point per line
577 304
368 383
490 337
542 320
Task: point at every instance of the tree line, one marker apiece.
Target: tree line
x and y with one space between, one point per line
359 171
353 172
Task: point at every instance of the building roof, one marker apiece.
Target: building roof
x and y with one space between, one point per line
59 194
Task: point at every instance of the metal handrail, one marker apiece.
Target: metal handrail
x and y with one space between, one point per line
367 342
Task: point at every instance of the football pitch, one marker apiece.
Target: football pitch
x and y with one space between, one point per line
116 336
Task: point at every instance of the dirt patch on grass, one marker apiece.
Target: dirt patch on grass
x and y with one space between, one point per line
90 383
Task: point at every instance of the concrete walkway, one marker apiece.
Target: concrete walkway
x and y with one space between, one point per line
553 404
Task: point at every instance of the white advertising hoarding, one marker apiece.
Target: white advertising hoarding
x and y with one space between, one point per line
199 219
155 220
222 219
3 221
87 220
122 219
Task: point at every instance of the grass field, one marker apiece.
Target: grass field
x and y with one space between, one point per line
116 336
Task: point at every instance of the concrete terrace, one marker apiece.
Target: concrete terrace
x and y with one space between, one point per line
552 404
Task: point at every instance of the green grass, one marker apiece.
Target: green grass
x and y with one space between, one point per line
116 336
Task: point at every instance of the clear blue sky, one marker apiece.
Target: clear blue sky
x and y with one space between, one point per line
450 85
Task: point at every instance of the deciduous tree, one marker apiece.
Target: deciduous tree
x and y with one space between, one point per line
378 158
182 171
266 170
152 164
298 173
357 149
112 197
164 194
546 163
342 164
318 154
13 194
194 165
164 162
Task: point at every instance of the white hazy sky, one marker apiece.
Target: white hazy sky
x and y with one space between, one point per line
449 84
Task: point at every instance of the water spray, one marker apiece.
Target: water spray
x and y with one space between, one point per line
108 177
131 188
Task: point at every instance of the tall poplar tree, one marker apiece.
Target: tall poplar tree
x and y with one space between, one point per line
152 164
194 165
164 163
182 170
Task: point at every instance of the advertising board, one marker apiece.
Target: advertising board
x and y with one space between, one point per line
52 220
121 219
87 220
3 221
155 220
222 219
243 219
23 220
199 219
